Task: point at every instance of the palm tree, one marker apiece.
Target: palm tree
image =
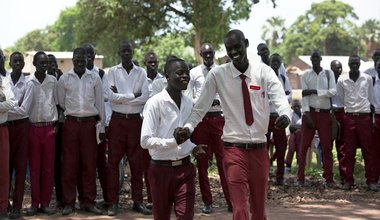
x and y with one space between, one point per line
273 31
369 36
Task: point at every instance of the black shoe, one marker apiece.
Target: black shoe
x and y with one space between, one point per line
229 209
149 205
14 213
346 186
31 211
4 216
47 210
207 209
113 210
93 210
140 207
372 187
67 210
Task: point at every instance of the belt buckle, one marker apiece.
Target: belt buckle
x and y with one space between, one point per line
247 146
176 163
317 110
356 113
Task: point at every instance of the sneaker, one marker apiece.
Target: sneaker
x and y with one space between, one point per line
47 210
93 209
207 209
67 210
372 187
14 213
31 211
346 186
329 185
113 210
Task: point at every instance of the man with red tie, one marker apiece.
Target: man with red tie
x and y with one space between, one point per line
245 89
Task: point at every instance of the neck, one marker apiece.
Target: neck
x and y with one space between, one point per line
265 60
242 66
152 74
317 69
127 66
354 75
175 95
90 66
40 76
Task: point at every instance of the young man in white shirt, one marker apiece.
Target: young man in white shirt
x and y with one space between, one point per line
80 94
244 88
171 173
128 94
355 90
375 57
18 125
42 116
318 86
209 132
7 102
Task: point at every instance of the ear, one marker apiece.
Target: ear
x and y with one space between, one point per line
246 43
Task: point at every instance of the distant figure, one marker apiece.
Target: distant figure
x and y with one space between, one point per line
375 57
53 67
295 135
264 53
2 64
355 90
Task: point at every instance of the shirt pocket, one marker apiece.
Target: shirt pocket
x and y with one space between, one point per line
258 97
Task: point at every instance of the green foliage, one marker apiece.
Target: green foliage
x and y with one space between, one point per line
273 31
327 26
369 36
35 40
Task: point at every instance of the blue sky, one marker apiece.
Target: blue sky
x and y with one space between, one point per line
19 17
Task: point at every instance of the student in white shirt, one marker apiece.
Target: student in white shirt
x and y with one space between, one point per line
375 57
18 125
171 173
7 102
42 116
245 159
376 125
80 94
355 90
209 131
128 94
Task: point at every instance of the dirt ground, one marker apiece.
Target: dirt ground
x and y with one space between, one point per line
284 203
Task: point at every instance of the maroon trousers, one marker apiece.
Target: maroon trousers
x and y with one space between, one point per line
124 138
146 162
4 169
376 137
209 132
79 157
41 162
280 142
18 141
339 143
322 123
294 146
172 185
102 165
247 174
356 134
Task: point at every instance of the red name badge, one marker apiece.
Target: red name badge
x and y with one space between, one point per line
253 87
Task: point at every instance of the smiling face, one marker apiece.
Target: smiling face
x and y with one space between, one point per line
236 47
178 75
80 60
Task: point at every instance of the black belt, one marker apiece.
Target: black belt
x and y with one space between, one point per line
18 121
42 124
134 115
319 110
273 115
5 124
212 114
246 146
358 114
172 163
338 109
81 119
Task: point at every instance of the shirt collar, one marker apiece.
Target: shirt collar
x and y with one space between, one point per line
71 72
237 73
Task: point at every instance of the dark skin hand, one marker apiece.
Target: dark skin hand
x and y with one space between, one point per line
102 137
181 134
282 122
309 121
114 89
198 151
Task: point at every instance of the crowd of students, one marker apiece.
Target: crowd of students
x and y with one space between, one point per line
70 127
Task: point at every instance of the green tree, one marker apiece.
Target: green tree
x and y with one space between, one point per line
369 35
35 40
327 26
273 31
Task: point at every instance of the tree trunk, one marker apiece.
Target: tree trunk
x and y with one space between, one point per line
197 47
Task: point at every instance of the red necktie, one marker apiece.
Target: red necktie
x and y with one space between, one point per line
247 101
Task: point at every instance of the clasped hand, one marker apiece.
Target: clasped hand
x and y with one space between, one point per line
282 122
181 135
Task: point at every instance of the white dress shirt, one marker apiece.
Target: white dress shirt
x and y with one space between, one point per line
376 95
197 78
296 120
158 85
22 93
371 71
45 100
81 97
106 88
356 96
261 81
161 117
287 89
9 102
150 82
124 101
196 73
325 89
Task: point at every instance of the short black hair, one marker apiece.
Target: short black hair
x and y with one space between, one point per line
35 57
89 46
169 60
236 32
276 55
14 54
79 51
